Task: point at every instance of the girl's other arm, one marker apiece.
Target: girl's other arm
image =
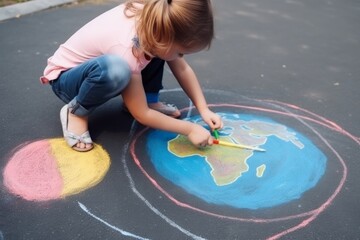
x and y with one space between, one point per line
189 82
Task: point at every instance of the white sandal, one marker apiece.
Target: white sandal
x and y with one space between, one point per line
71 138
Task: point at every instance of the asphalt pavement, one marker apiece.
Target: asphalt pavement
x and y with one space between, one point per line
300 57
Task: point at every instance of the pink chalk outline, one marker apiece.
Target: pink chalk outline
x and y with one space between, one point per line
312 215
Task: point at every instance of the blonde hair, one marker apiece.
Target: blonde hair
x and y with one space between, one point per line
162 23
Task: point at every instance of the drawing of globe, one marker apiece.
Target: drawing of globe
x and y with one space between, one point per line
240 178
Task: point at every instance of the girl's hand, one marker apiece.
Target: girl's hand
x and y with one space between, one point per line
199 136
212 119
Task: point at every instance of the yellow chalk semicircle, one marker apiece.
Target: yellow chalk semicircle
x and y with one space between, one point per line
79 170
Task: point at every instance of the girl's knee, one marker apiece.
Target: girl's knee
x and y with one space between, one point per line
117 71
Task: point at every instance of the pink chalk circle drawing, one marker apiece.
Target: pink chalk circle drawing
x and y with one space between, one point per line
285 115
48 169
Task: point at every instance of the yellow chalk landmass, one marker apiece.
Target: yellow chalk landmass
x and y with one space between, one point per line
227 164
260 170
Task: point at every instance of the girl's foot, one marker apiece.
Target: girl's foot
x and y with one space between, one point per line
165 108
75 130
78 126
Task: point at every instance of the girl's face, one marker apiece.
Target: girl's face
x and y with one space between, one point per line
176 51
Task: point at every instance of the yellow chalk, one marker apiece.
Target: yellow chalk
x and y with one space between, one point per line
229 144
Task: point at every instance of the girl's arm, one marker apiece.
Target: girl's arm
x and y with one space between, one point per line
189 82
135 100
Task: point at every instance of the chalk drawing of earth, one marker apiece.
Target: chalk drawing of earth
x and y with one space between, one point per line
240 178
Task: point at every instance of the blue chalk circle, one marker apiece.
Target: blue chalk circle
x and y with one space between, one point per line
239 178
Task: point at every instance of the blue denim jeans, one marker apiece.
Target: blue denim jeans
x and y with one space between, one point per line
92 83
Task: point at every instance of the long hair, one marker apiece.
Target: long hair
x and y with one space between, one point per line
162 23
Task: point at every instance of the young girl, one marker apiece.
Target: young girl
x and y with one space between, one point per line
105 57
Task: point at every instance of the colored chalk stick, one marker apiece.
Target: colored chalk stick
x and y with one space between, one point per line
229 144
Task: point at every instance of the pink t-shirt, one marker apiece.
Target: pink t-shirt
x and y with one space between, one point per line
110 33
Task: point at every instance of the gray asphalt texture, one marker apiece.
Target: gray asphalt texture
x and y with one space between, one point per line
305 53
24 8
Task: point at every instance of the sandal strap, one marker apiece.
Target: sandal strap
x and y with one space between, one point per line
72 139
